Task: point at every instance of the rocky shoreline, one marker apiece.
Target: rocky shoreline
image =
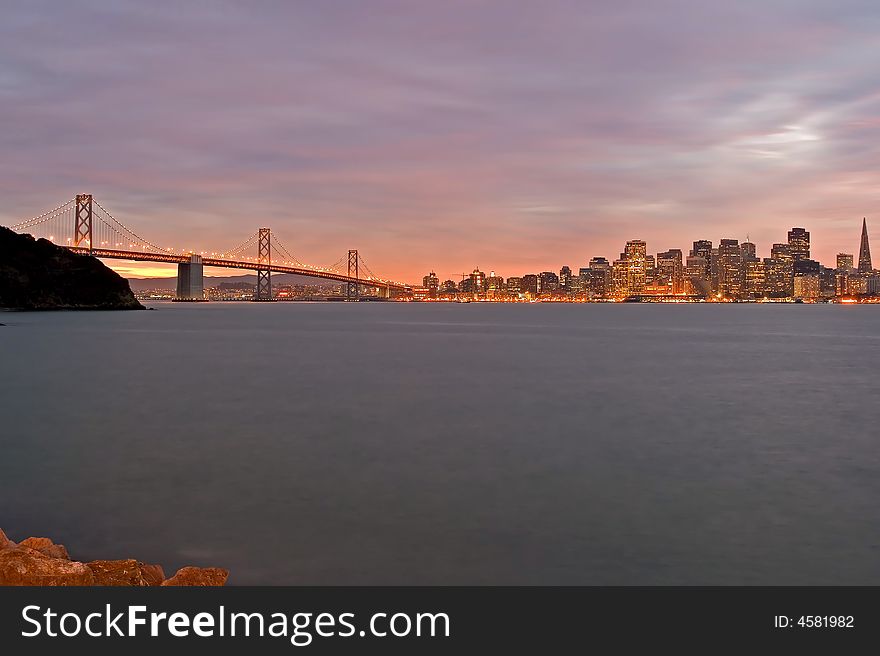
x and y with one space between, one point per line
41 562
36 274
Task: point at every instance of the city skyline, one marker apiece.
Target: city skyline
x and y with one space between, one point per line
729 270
455 132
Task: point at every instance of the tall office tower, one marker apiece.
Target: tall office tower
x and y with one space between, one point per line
650 269
703 248
857 284
514 285
749 252
714 275
827 282
697 281
565 278
865 250
806 267
845 262
432 283
620 276
806 287
597 278
531 284
780 272
599 263
670 270
478 281
549 281
636 254
730 269
494 284
799 243
754 281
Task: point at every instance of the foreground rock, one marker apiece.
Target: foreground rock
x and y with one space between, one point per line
126 572
46 547
38 275
24 566
41 562
204 576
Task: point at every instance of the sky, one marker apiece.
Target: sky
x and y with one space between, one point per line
511 136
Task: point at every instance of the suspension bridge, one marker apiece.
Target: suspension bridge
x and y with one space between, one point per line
84 226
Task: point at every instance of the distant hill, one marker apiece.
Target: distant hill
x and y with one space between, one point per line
144 284
38 275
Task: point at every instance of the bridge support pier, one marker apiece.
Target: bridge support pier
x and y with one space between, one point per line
191 280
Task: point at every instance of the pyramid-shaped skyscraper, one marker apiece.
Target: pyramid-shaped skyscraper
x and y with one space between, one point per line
865 250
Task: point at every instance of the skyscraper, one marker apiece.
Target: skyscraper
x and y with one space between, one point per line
478 281
697 280
703 248
779 272
565 278
730 270
432 283
670 270
844 262
865 250
636 254
598 277
799 243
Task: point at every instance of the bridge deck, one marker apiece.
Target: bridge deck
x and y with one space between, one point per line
172 258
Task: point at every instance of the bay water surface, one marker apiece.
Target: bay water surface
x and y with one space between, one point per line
407 443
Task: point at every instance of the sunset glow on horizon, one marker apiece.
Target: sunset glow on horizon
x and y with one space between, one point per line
514 137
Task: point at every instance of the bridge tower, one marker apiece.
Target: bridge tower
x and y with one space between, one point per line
263 291
352 291
82 231
190 280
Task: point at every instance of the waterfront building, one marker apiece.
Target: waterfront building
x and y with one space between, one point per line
432 283
703 248
827 282
565 278
696 275
670 271
549 281
856 284
729 269
780 272
806 287
597 278
494 283
620 277
478 281
754 280
531 284
636 255
421 293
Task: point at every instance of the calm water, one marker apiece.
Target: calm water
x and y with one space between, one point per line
407 443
